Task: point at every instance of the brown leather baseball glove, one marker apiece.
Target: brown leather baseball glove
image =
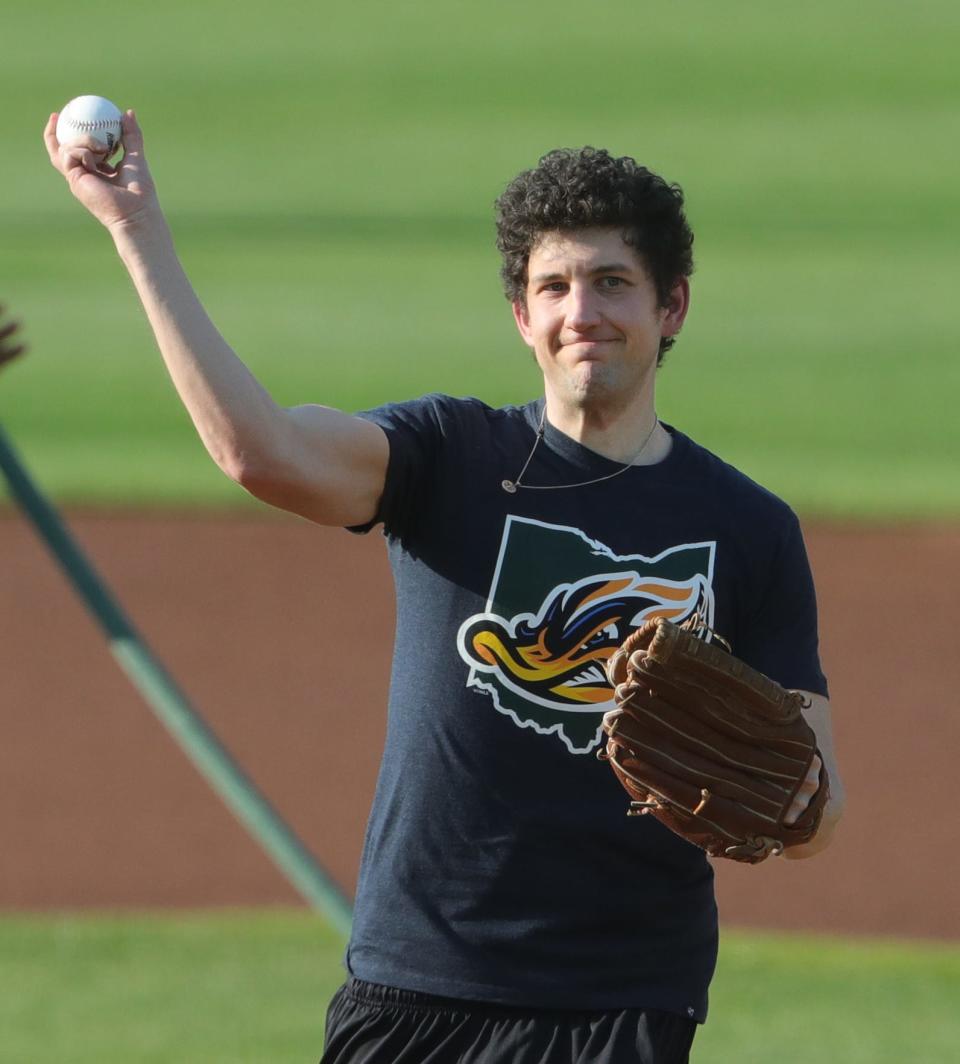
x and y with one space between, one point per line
712 748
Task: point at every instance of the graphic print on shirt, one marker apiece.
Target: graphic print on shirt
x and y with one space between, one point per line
559 605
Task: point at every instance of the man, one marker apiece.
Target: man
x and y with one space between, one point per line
507 910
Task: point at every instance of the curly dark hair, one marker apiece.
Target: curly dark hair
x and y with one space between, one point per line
583 188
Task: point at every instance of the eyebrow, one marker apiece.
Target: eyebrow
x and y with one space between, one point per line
613 267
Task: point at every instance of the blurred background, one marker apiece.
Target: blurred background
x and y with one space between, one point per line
329 173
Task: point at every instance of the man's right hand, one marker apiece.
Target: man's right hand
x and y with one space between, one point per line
116 197
311 460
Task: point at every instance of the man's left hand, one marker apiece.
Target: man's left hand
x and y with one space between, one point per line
9 348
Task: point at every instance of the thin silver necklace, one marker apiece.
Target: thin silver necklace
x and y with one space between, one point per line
511 486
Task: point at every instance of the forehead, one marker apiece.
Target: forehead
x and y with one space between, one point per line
581 249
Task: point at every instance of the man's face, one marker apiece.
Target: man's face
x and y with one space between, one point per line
592 318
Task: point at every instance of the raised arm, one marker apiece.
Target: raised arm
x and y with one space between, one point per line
312 460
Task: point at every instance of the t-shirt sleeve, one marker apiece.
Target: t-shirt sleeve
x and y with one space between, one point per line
779 633
415 432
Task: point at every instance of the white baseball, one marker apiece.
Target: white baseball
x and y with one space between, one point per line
90 116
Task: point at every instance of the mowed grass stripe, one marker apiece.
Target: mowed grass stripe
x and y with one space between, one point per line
253 986
795 392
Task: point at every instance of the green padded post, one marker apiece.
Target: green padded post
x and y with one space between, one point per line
172 707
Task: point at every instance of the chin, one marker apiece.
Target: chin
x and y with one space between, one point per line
594 383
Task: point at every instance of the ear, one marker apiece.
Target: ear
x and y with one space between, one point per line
676 309
521 316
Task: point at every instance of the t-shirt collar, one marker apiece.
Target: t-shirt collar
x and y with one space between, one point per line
592 462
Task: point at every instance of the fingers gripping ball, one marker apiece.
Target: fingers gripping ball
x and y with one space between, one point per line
91 122
712 748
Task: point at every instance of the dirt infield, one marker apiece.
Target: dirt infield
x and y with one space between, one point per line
281 632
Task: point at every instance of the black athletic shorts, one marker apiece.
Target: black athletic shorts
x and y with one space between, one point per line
371 1024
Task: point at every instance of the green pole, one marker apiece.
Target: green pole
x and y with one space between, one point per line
171 705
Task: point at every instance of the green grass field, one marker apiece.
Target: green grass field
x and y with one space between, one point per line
252 988
329 173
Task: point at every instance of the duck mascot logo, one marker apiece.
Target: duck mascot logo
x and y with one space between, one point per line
559 606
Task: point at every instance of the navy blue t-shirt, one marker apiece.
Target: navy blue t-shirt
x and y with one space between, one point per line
499 864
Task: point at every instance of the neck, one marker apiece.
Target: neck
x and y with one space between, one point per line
617 434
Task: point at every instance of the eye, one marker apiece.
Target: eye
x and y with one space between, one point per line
605 635
612 282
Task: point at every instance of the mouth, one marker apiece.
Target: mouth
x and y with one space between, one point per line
592 676
588 350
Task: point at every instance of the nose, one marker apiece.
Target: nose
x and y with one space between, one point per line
582 308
